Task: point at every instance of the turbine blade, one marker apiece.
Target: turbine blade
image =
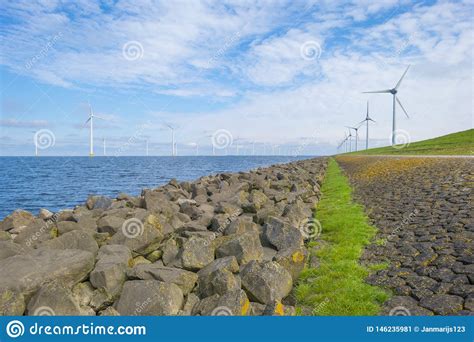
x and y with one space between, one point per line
376 91
372 120
360 123
399 102
98 117
401 78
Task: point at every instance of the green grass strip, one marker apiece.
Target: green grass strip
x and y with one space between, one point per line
460 143
337 286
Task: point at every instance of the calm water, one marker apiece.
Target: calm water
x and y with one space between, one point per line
58 183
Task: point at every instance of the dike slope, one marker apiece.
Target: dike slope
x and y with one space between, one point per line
227 244
423 210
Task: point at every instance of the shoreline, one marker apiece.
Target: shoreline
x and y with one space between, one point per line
204 244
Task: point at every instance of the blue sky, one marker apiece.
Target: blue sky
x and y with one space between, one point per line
282 76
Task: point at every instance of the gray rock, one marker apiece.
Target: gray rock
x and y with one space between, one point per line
17 220
184 279
149 298
109 311
9 248
72 240
67 226
35 233
12 303
138 235
242 224
196 253
292 260
110 224
265 281
282 235
110 270
234 303
244 247
98 202
45 214
55 299
27 273
191 301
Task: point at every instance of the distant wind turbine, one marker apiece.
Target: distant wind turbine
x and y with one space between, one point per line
36 143
394 92
356 129
173 144
366 120
349 138
91 134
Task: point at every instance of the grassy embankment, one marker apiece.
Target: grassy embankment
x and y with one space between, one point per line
460 143
337 286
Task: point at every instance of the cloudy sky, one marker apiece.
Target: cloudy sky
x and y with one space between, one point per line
276 76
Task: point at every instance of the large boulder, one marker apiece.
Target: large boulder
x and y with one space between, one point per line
73 240
292 260
244 247
282 235
55 299
35 233
17 220
218 277
138 235
110 224
110 270
9 248
149 298
184 279
233 303
98 202
266 281
27 273
196 253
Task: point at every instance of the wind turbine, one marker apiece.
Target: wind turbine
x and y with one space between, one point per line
349 138
356 129
366 120
394 92
36 143
91 134
173 145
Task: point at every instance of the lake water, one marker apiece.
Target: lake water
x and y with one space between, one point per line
58 183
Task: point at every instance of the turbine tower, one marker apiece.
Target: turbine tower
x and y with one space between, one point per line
356 129
394 92
173 145
366 120
91 134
